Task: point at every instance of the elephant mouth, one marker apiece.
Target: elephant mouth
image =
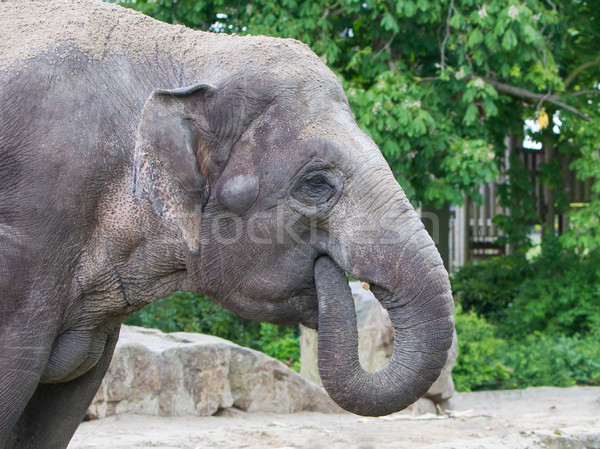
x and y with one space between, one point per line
311 317
300 308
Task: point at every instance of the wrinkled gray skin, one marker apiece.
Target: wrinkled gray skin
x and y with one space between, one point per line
234 169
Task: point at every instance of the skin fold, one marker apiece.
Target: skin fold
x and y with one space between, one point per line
139 158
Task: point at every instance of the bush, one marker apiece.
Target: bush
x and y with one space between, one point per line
488 362
281 343
488 287
189 312
528 323
556 293
561 297
559 361
479 365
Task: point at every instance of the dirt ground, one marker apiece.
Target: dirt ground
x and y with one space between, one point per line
476 420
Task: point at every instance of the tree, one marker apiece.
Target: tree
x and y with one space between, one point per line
439 84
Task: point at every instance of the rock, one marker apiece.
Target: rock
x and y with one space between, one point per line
559 439
375 345
309 368
154 373
375 332
574 437
423 406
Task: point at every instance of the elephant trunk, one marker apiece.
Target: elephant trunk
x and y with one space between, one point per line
420 305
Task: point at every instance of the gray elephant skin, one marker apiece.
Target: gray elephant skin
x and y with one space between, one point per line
139 158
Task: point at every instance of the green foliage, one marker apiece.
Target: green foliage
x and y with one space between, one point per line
490 286
416 142
517 194
561 296
584 224
487 361
529 323
584 227
556 293
189 312
547 359
280 342
479 353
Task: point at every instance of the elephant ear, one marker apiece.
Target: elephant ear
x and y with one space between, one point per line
173 163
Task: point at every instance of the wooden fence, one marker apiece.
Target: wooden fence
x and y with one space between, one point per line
472 233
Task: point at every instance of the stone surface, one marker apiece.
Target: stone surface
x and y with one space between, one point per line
154 373
375 345
574 438
535 418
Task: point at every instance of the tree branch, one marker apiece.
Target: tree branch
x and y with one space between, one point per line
446 37
386 46
544 98
585 92
569 79
524 93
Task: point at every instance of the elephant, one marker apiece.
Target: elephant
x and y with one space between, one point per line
139 158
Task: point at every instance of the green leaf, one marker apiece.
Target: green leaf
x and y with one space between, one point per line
406 8
424 5
515 71
470 115
456 21
509 40
489 107
389 22
419 127
475 38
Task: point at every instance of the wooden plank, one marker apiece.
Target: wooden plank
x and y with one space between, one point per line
466 230
493 209
484 209
475 221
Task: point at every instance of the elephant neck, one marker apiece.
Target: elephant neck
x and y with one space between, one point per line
132 259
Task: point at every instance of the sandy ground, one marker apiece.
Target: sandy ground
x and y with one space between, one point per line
479 419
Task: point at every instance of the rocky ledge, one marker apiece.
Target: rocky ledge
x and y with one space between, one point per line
153 373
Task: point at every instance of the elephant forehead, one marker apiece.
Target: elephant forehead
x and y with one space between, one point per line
342 135
338 127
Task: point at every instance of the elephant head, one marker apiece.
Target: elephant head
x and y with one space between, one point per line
278 194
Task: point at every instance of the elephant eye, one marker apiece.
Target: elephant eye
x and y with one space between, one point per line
318 180
315 189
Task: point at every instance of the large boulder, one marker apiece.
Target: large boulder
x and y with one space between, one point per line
176 374
375 346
